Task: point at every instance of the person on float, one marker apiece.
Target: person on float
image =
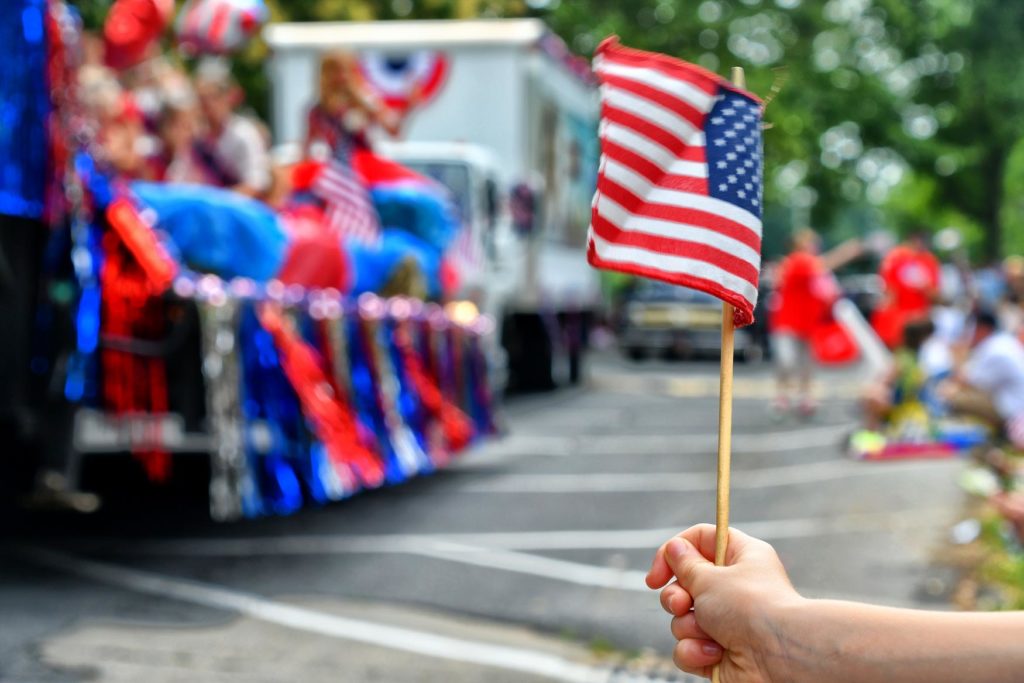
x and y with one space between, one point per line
346 110
234 147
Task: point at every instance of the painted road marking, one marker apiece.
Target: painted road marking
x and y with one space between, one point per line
311 621
707 385
504 551
662 444
689 482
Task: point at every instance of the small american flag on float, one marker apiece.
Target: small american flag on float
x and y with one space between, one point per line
349 208
679 191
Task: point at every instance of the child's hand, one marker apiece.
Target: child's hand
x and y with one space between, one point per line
735 609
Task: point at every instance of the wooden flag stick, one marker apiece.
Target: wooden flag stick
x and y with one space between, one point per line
725 420
724 435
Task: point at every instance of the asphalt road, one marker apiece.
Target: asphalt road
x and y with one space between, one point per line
523 562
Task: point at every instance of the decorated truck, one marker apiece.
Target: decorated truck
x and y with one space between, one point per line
502 114
159 322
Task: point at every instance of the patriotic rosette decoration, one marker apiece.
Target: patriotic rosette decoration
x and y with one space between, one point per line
679 188
406 81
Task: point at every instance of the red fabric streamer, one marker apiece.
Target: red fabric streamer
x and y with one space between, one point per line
138 237
332 421
455 424
133 384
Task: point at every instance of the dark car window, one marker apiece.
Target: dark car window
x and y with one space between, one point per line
655 291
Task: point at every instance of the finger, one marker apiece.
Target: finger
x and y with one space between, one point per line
702 536
691 569
697 656
675 600
686 626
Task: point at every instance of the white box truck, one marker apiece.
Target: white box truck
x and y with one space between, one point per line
509 113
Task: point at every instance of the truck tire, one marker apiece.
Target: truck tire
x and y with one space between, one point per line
530 353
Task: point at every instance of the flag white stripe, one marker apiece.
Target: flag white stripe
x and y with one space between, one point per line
653 113
690 94
664 159
624 220
641 187
344 189
629 255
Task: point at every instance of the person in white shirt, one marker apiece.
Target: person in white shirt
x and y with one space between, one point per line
990 385
235 148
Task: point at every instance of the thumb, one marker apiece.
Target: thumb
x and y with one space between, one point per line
692 569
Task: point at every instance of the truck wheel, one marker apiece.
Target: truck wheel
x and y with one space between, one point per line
636 353
530 353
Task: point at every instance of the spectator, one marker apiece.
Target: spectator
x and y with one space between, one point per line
911 275
234 150
901 395
990 385
801 303
748 618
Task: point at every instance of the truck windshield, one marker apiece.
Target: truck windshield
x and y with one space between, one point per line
454 176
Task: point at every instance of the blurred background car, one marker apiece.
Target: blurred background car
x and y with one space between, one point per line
666 320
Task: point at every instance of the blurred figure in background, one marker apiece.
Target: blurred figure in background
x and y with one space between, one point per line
990 384
346 111
801 304
1011 307
912 276
119 125
234 148
179 159
900 396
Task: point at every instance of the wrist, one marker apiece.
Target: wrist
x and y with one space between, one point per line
802 641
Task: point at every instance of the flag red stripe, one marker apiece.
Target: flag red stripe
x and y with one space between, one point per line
654 133
674 104
634 204
742 315
651 171
608 231
673 68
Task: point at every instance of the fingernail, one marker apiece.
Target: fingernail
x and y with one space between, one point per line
672 604
675 548
711 649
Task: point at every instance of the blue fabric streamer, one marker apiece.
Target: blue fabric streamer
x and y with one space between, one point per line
217 230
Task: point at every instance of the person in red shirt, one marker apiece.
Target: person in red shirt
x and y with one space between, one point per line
910 274
801 303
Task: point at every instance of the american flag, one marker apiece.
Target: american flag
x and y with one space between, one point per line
679 189
350 210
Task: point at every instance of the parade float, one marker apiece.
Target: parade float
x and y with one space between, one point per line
162 321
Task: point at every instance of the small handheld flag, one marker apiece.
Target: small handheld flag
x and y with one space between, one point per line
679 190
679 197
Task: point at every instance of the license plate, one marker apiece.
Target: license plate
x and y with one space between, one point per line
96 432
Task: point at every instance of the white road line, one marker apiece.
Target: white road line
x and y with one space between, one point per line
460 547
688 482
538 565
665 444
311 621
